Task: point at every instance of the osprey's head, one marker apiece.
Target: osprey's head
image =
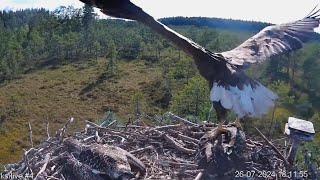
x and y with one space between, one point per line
116 8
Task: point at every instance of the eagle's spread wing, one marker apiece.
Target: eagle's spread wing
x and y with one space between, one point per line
243 95
274 40
229 84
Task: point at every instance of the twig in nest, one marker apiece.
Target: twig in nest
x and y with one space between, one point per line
88 138
26 160
112 123
208 151
180 119
142 149
255 143
46 161
187 138
165 127
51 177
63 130
129 126
30 134
199 176
93 124
47 129
196 134
194 171
106 119
273 147
98 139
181 164
118 136
176 145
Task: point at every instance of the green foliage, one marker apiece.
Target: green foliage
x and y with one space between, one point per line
192 99
69 34
283 91
88 17
69 44
313 150
316 122
311 73
97 48
183 70
112 50
112 68
138 104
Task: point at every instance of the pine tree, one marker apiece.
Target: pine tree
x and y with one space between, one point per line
97 48
87 21
112 55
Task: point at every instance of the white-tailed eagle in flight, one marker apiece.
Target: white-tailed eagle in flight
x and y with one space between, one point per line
231 88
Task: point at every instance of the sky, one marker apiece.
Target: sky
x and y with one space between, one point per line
272 11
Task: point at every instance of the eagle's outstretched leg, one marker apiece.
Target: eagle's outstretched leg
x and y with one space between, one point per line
221 112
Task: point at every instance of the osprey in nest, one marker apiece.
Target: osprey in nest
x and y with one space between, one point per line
231 88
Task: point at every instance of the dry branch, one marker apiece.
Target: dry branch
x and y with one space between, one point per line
187 138
47 130
273 147
63 130
30 134
142 149
177 145
179 119
46 161
199 176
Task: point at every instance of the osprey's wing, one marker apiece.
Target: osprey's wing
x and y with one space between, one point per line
274 40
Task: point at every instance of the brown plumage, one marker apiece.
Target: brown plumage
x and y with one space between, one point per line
231 88
274 40
110 160
74 169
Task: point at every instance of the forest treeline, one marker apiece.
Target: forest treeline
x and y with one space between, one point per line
218 23
35 38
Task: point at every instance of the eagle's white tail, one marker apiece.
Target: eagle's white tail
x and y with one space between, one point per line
252 101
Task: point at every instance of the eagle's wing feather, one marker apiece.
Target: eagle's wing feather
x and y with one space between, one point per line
274 40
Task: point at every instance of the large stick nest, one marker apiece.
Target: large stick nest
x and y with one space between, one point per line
181 150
